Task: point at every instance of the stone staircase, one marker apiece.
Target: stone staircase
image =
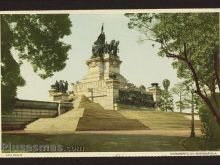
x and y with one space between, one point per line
90 116
109 124
162 120
86 116
98 119
65 123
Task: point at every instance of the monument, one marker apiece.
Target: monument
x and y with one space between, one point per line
58 91
104 84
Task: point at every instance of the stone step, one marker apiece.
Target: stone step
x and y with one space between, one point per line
100 120
107 124
66 122
76 102
61 124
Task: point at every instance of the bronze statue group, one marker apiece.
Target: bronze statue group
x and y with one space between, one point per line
100 46
60 86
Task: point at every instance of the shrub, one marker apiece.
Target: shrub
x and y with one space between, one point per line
210 128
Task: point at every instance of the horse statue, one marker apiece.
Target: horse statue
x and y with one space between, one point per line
100 46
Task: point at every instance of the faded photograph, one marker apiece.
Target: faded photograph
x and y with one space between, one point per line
110 82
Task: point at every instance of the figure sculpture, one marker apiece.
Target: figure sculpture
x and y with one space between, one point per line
60 86
115 48
57 86
100 46
66 86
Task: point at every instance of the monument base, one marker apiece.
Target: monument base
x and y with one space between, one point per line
63 97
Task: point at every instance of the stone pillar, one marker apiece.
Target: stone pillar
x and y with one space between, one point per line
59 108
112 93
51 94
95 70
111 65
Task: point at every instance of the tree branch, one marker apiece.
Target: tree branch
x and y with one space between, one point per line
196 80
198 89
171 55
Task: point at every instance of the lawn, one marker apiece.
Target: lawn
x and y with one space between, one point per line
200 143
113 143
100 143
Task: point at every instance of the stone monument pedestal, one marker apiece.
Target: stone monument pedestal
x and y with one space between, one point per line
54 96
103 81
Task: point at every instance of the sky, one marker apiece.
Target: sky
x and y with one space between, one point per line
141 65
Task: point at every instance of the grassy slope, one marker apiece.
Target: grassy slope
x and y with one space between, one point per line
161 120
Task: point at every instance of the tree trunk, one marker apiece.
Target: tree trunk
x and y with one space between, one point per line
185 59
198 91
217 67
180 102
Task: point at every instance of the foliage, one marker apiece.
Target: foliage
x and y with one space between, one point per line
142 87
200 144
135 98
182 105
166 84
10 69
180 90
191 40
209 128
166 101
37 39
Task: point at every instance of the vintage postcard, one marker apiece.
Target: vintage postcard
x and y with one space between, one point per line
92 83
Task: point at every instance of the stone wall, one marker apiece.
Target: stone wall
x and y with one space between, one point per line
27 111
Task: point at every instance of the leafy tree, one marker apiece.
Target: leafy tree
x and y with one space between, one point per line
38 40
192 41
166 102
181 91
166 84
142 88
